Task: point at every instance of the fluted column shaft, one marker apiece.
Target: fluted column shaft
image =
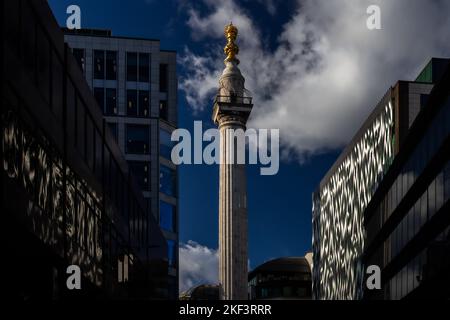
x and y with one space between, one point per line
233 256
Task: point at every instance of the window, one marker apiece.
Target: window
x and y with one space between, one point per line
132 103
99 94
135 109
447 182
423 100
111 65
140 171
439 190
163 77
111 105
144 67
171 252
138 137
79 57
410 223
167 181
163 112
166 144
99 64
144 104
431 199
423 208
80 123
417 222
167 219
131 66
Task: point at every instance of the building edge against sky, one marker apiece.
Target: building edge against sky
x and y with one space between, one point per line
407 221
135 85
61 173
345 191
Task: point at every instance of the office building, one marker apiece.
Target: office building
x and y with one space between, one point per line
347 188
281 279
67 194
135 84
407 220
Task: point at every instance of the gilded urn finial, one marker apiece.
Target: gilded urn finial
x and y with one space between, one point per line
231 49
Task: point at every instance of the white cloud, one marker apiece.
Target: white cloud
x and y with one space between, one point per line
328 70
198 265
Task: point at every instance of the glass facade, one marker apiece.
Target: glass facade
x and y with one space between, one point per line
105 65
111 65
131 66
144 103
163 110
425 150
138 67
64 185
420 191
132 103
141 172
172 252
434 258
111 102
167 181
106 100
79 55
99 94
163 77
113 127
430 202
138 137
133 109
99 64
138 103
166 144
167 216
144 67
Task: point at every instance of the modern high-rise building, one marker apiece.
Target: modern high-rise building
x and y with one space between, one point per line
347 188
408 218
231 110
67 194
135 84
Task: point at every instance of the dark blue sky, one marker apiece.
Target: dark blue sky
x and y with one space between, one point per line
280 205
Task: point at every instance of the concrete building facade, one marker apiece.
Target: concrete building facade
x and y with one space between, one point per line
135 85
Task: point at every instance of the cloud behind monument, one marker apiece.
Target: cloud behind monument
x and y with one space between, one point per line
326 72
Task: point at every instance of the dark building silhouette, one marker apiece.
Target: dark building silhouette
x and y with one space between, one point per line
281 279
408 218
67 194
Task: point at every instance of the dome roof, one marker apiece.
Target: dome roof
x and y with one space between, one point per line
202 292
288 264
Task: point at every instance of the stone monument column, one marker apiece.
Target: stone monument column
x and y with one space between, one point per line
231 110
